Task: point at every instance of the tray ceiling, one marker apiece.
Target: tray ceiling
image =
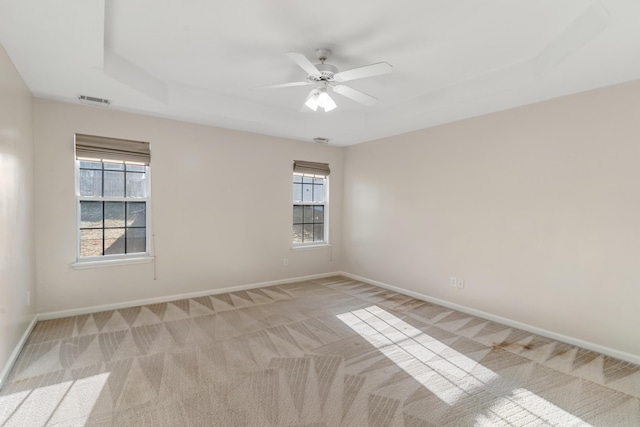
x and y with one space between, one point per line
198 61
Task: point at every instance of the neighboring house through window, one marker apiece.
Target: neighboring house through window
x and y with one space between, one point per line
113 193
310 203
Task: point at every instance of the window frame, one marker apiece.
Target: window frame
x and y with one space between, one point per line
326 214
112 259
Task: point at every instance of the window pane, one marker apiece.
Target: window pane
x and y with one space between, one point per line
110 228
308 215
91 215
297 214
308 233
135 168
113 184
91 242
90 182
85 164
114 166
308 208
113 214
318 232
318 193
113 241
307 192
136 184
297 192
318 214
297 234
136 214
136 240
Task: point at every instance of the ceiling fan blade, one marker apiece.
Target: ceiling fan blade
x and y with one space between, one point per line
292 84
356 95
303 63
362 72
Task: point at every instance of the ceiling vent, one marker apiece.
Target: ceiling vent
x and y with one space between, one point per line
96 102
321 140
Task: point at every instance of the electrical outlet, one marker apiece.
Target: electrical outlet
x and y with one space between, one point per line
460 284
453 282
286 262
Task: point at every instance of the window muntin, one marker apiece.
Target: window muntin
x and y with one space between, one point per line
112 209
309 209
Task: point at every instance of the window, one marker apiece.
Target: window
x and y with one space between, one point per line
113 198
310 203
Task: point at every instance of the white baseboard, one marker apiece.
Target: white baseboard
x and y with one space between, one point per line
16 351
628 357
158 300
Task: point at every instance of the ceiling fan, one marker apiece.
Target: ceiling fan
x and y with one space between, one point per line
325 76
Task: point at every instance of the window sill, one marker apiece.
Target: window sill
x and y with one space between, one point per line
80 265
310 247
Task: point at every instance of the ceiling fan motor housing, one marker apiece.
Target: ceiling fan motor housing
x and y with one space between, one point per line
326 73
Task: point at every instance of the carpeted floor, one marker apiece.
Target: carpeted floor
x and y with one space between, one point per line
326 352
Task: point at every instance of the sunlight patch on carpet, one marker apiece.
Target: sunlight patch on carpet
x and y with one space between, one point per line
447 373
529 406
68 400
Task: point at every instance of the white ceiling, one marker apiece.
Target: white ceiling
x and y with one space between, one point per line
198 60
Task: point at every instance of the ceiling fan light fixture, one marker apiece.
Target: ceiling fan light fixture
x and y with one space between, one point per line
325 101
313 100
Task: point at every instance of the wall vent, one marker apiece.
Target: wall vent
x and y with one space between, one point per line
92 100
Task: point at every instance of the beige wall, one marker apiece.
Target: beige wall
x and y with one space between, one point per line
17 260
536 208
221 205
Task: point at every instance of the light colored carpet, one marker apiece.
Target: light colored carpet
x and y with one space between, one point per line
329 352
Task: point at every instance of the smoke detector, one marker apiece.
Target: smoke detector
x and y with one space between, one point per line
321 140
